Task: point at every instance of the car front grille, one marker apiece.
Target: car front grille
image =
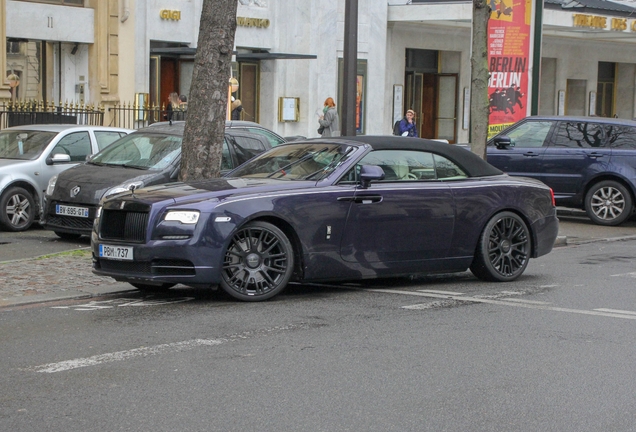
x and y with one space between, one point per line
156 267
123 225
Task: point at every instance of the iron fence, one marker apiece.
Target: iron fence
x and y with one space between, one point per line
21 113
135 116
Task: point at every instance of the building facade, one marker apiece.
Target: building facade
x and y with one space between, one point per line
60 51
412 54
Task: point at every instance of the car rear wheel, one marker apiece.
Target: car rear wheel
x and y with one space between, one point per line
67 236
503 250
258 262
152 288
608 203
17 209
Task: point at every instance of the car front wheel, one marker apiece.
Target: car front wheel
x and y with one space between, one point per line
17 209
608 203
503 251
258 262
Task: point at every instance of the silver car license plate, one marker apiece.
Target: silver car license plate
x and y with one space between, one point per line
71 211
116 252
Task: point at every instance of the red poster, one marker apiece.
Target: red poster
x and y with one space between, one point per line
509 60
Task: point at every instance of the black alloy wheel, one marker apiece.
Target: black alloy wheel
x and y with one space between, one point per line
608 203
503 250
258 262
17 209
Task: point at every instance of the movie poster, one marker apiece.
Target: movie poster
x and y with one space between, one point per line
509 60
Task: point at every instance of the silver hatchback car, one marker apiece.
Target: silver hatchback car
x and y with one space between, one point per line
30 155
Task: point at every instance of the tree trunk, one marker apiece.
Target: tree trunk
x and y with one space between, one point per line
479 78
208 99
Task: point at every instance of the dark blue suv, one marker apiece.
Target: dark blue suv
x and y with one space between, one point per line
589 162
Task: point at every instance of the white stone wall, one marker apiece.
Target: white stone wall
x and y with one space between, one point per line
579 60
50 22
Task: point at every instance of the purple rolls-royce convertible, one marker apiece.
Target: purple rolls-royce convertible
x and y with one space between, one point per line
328 210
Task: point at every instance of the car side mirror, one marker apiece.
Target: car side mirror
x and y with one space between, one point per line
503 142
369 173
58 158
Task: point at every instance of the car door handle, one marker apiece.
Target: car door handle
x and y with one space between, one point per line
595 155
531 154
368 199
364 199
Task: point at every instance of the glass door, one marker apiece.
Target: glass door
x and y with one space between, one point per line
446 117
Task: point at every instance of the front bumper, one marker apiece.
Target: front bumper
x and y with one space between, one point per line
67 224
161 261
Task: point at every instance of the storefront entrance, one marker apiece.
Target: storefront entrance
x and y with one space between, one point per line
431 95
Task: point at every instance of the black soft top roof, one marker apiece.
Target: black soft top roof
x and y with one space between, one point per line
467 160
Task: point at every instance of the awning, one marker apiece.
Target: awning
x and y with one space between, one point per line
262 55
273 56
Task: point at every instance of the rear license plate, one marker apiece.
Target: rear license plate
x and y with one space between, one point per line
116 252
71 211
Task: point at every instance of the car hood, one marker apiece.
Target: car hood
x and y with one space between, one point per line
95 180
224 188
9 165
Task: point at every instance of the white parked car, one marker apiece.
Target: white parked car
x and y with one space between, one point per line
30 155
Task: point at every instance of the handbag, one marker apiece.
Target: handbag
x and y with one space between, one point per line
321 129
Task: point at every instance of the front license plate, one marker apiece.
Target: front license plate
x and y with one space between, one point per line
116 252
71 211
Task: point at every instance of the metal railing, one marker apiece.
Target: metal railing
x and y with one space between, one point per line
30 112
135 116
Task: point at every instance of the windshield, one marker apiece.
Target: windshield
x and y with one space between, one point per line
296 162
141 150
16 144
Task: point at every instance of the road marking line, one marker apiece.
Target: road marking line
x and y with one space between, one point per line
158 349
616 311
525 301
125 355
441 292
123 302
506 303
632 274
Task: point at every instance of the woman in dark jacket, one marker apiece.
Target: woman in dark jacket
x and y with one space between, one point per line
407 125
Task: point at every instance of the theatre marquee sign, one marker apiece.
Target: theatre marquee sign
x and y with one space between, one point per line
603 23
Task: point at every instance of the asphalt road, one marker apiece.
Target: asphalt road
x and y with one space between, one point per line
550 352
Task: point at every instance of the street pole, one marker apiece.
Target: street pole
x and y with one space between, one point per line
350 67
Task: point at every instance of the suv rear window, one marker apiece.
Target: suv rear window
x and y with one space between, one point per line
621 137
578 134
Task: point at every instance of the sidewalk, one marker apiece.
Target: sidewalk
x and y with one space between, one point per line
68 275
50 278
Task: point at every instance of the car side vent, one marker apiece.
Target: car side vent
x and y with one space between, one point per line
123 225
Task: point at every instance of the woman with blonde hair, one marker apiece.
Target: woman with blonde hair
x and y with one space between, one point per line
329 121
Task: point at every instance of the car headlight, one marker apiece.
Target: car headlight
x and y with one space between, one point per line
124 187
187 217
51 186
